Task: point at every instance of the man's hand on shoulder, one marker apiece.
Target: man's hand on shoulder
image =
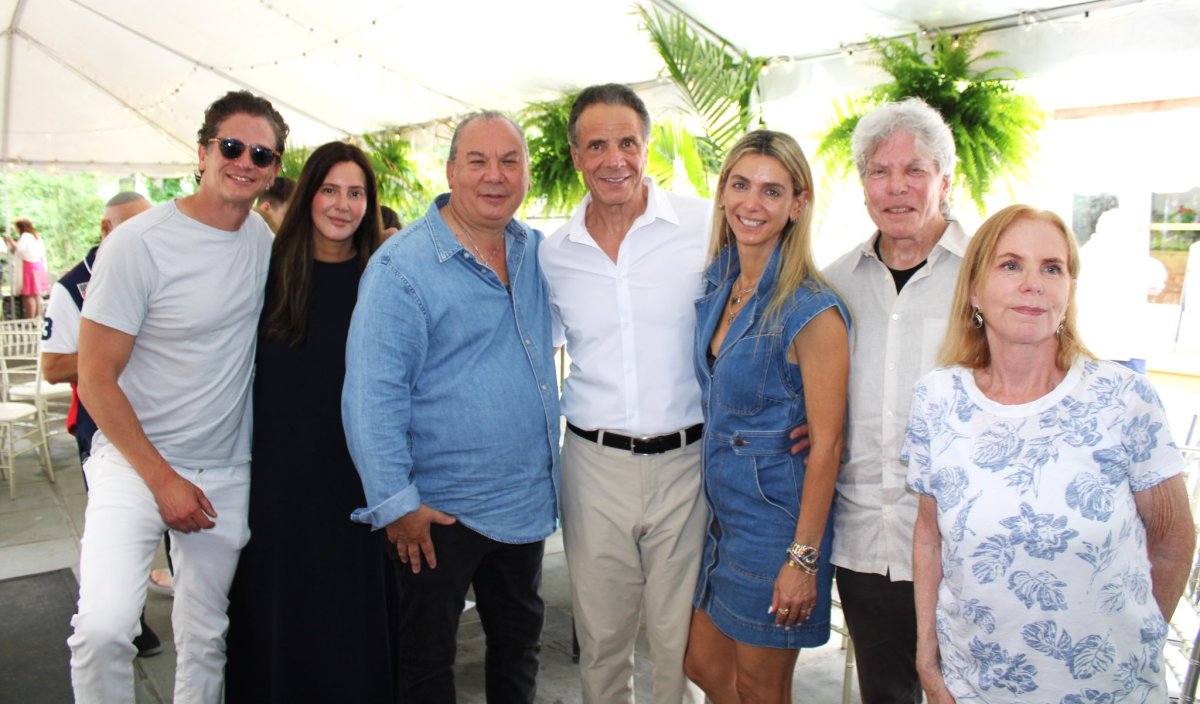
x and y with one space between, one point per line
182 504
410 534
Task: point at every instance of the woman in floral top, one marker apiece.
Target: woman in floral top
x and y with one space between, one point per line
1053 537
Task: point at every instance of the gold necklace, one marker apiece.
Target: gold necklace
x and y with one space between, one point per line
736 297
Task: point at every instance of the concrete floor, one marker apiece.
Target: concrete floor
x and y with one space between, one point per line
40 530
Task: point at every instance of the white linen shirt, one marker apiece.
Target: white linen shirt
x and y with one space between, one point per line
896 340
629 325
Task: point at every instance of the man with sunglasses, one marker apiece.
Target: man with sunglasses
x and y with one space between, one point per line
166 347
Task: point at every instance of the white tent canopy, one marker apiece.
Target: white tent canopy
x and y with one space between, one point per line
121 85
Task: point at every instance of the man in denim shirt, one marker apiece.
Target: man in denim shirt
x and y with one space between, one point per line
451 413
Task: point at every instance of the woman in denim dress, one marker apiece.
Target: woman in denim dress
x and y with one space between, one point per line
772 352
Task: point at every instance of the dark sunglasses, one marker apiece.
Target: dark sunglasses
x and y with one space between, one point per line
232 149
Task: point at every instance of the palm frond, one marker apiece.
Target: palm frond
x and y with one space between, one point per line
717 86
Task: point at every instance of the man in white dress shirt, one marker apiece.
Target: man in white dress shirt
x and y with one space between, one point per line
624 274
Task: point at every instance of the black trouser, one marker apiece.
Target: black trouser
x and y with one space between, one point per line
506 580
882 619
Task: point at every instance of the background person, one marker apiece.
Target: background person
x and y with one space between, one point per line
898 284
31 252
329 569
273 203
772 350
1054 536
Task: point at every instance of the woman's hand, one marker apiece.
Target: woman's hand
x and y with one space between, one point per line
795 596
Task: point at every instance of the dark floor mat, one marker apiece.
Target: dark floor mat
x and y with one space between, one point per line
35 620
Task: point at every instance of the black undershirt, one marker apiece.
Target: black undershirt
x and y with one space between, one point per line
900 276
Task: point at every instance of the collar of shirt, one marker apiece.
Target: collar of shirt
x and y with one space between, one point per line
658 207
629 324
953 240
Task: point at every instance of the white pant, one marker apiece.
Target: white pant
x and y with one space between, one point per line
122 528
633 528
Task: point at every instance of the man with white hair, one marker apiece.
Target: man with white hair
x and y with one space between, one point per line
898 285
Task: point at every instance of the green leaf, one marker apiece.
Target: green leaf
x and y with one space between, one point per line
553 178
399 181
717 84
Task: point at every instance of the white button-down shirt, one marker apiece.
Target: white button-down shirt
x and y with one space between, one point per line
629 325
896 341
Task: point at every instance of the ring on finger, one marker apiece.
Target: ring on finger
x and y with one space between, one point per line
785 611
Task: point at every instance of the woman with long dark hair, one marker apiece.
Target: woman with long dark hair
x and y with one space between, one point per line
309 605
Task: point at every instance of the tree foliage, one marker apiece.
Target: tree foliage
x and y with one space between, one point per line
993 126
66 209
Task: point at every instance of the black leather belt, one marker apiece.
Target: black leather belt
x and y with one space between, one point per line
642 446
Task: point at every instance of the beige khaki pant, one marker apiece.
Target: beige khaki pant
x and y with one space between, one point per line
633 528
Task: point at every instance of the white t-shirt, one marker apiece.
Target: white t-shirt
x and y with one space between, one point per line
1046 587
191 294
629 325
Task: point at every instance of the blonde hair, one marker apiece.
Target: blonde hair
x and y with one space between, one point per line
967 345
795 256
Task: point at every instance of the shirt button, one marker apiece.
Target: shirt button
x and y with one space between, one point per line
891 365
527 342
895 316
543 387
889 414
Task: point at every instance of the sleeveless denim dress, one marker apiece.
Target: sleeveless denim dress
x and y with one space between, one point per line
752 398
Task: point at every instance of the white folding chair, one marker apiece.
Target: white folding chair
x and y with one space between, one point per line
23 409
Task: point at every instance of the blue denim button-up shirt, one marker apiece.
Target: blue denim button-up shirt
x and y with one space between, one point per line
450 398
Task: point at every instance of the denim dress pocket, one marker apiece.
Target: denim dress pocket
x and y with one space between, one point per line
743 394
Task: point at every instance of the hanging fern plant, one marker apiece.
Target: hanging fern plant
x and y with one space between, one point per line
552 174
399 181
993 126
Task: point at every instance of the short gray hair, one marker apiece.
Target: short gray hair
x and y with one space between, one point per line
486 115
912 115
124 197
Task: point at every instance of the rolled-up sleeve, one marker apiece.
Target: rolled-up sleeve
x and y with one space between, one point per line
385 351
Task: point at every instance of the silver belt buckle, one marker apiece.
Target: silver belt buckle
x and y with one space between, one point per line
633 446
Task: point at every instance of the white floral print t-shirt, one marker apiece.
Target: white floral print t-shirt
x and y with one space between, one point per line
1045 594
